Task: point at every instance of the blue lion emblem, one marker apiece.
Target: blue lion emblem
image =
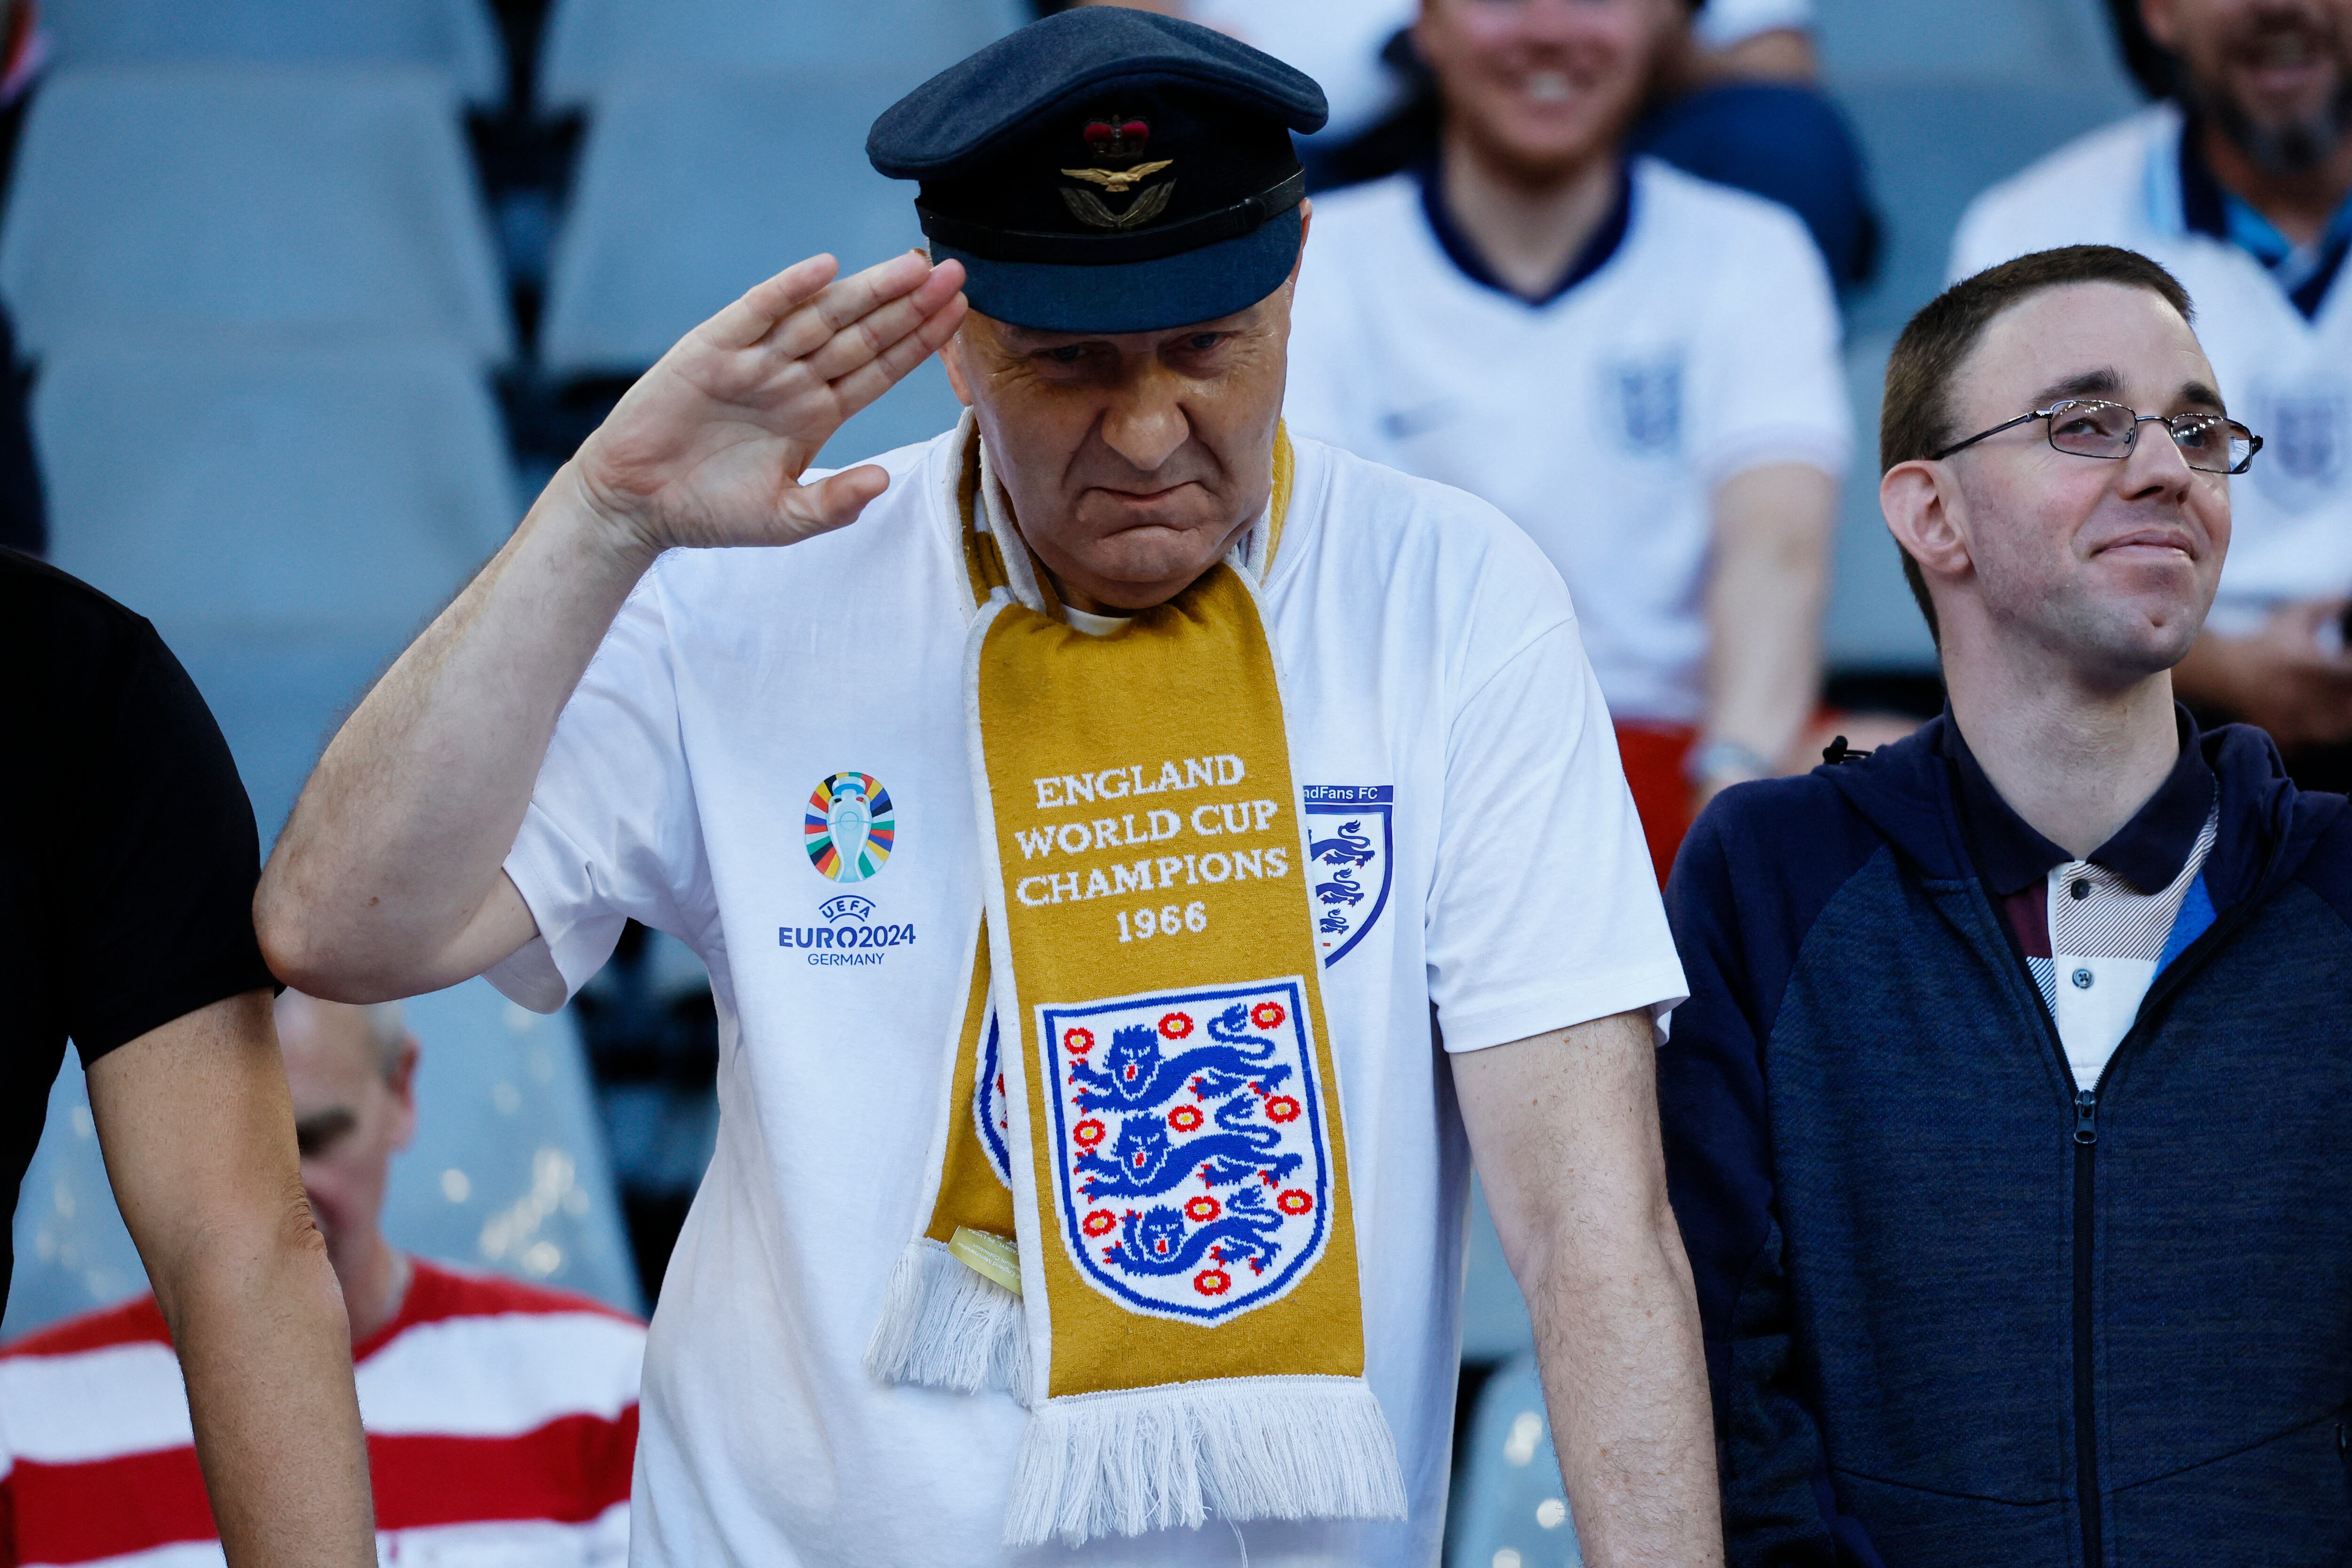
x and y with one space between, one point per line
1349 846
1154 1240
1148 1093
1341 888
1138 1074
1145 1162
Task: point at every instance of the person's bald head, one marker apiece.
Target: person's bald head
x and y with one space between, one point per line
351 1073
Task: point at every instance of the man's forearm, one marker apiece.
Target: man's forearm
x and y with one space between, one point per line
399 838
1625 1380
265 1348
1764 602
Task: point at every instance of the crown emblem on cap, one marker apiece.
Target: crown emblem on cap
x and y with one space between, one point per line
1118 139
1117 136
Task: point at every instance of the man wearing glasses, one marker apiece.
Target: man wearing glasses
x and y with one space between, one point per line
2003 1120
2240 182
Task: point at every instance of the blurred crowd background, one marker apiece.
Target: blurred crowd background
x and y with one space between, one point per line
309 297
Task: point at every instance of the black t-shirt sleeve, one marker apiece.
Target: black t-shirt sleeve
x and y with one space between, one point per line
159 857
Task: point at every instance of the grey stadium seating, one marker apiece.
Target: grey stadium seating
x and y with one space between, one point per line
290 198
288 514
690 192
455 36
508 1172
594 46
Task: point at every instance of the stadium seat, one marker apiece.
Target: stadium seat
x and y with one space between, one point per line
1509 1510
289 515
687 194
298 200
456 36
590 46
508 1172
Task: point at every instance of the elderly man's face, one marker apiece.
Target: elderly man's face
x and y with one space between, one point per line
353 1111
1542 87
1133 459
2111 564
2276 75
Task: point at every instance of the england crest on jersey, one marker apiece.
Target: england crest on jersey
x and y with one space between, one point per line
1192 1152
991 1116
1349 849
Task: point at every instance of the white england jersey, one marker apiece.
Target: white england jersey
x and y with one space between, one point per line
1472 848
2290 380
1601 422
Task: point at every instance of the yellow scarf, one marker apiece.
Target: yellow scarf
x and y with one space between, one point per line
1140 1222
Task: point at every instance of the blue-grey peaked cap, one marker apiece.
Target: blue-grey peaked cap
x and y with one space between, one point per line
1107 171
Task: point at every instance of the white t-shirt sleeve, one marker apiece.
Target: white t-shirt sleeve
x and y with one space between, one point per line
1544 909
612 833
1773 386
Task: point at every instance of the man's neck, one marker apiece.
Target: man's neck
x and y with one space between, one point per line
2076 761
1527 228
2300 207
375 1284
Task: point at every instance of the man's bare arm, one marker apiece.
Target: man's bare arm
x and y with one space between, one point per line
1564 1129
198 1136
388 880
1764 602
2282 678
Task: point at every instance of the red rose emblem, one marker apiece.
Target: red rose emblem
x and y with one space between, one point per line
1176 1025
1186 1119
1281 1108
1212 1281
1293 1201
1087 1133
1098 1223
1203 1210
1079 1042
1268 1015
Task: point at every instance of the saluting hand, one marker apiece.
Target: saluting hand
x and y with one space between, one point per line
708 447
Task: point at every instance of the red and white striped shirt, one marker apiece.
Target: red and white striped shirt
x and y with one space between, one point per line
502 1422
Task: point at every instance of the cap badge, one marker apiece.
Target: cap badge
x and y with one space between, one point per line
1114 137
1119 181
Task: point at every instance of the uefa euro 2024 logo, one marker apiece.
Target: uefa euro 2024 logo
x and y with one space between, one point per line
849 828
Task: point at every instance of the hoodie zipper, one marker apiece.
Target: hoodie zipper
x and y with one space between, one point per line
2086 1139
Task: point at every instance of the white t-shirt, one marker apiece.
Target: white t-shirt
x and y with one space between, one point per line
1442 717
2289 379
1723 23
1337 42
1601 422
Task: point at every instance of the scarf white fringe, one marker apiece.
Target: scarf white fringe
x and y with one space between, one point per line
943 1325
1128 1461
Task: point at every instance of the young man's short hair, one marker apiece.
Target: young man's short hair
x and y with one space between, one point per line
1916 419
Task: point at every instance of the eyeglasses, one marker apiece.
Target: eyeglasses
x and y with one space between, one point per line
2089 427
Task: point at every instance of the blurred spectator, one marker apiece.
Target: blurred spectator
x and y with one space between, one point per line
2241 185
1732 101
1639 368
1735 103
501 1416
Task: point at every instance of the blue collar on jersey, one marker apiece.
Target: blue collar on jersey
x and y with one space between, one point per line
1464 254
2304 272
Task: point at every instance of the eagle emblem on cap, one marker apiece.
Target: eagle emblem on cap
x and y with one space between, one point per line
1118 139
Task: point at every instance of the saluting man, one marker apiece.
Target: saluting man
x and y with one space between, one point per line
1087 1168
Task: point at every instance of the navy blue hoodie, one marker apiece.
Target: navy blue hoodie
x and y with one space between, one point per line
1943 1302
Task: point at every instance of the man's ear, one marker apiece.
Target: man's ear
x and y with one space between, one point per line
2162 26
1922 508
959 377
402 1082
